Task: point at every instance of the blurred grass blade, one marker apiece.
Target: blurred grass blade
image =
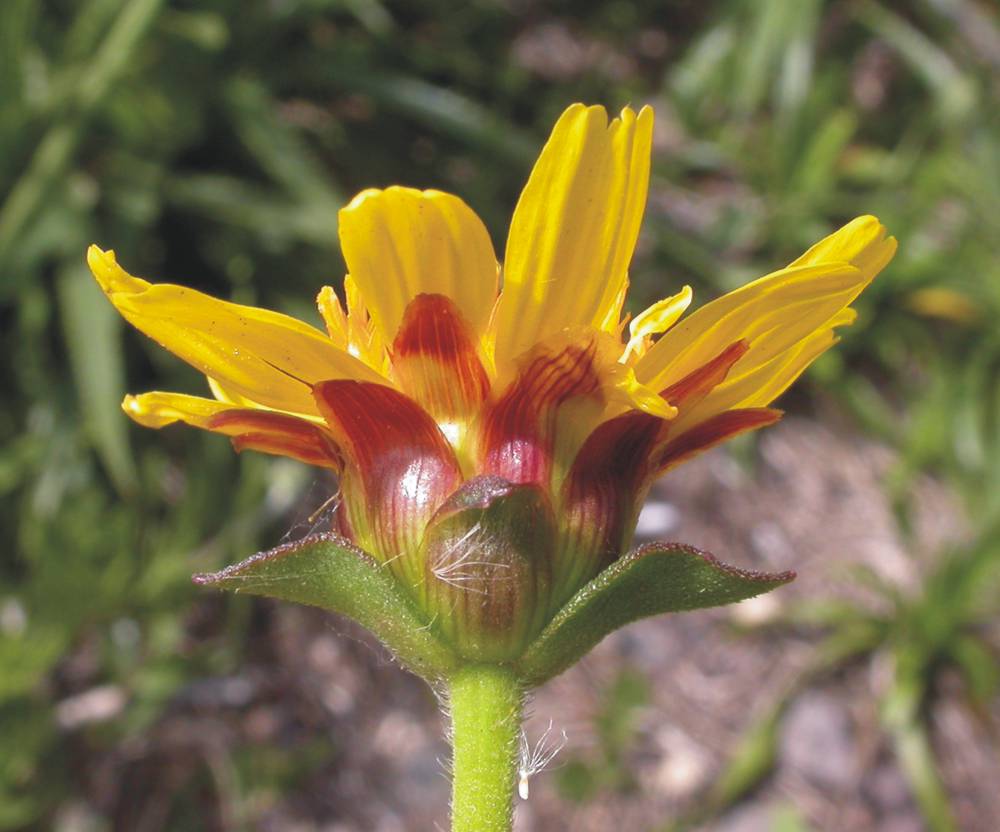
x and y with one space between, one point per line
817 171
84 33
954 92
205 29
900 715
93 338
373 15
776 54
16 22
750 762
16 17
55 151
979 667
442 110
693 75
271 215
795 74
278 147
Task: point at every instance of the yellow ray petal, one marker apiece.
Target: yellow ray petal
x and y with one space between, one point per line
655 320
575 227
762 385
265 356
363 339
332 313
862 243
400 242
157 410
777 311
628 393
790 304
226 395
262 430
613 322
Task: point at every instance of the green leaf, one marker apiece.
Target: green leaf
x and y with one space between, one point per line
653 579
327 571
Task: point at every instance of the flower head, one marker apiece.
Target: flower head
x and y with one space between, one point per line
495 429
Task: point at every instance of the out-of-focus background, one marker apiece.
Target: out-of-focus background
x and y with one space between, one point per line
211 143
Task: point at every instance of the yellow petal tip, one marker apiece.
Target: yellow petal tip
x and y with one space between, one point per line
112 278
101 264
133 407
360 199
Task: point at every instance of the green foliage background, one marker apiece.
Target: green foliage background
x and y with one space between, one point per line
211 143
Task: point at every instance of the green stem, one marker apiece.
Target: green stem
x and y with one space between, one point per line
486 722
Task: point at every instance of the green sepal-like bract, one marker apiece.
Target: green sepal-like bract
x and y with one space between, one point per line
653 579
328 571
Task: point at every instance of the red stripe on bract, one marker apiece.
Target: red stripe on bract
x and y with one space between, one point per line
711 432
697 384
614 458
277 433
311 454
601 497
519 430
435 361
397 455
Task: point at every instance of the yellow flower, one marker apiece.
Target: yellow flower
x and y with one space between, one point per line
434 392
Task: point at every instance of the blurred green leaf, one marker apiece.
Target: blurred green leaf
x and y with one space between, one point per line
93 338
915 754
954 92
441 110
55 151
279 149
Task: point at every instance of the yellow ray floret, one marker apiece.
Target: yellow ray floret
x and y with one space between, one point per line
775 312
265 356
158 409
400 242
574 228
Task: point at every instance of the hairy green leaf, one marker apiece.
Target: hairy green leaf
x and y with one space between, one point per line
327 571
650 580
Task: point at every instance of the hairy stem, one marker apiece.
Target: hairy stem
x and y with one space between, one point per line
486 721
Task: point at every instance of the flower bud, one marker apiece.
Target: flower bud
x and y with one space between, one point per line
487 556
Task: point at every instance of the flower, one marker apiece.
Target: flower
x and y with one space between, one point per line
494 445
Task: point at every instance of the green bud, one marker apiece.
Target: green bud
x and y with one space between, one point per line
487 556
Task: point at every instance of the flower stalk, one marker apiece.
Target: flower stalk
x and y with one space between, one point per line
486 702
